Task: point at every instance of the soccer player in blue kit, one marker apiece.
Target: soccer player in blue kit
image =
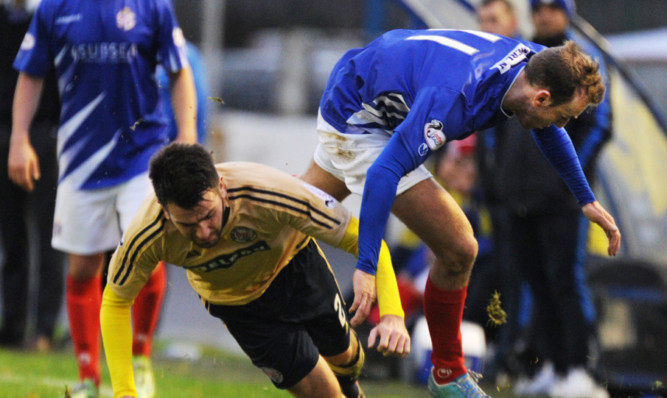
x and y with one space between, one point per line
388 105
105 54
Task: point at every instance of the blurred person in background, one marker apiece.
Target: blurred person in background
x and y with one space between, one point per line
104 54
245 234
499 17
389 105
26 212
548 235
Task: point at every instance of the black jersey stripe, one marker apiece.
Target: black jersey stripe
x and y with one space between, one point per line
136 252
159 221
287 197
286 206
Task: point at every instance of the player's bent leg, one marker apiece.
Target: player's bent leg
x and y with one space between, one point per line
430 212
84 298
318 177
347 367
319 383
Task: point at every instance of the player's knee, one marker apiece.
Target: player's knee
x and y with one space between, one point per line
459 258
348 366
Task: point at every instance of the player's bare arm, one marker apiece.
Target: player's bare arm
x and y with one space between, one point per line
184 103
23 163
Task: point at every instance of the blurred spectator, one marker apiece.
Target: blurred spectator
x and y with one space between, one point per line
547 234
499 17
26 218
105 54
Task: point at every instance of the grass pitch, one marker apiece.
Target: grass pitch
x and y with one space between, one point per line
26 374
217 374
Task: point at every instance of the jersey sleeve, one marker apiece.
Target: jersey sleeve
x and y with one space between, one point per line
172 49
389 300
116 324
323 218
137 255
557 147
34 56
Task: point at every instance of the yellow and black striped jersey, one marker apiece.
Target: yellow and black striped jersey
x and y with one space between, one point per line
271 216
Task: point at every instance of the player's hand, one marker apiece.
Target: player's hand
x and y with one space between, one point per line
23 165
597 214
394 337
364 296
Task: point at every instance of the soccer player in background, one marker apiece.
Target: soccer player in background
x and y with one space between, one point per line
244 234
105 54
388 105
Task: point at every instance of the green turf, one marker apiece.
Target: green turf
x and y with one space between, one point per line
216 374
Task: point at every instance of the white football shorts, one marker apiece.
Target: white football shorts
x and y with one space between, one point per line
92 221
348 157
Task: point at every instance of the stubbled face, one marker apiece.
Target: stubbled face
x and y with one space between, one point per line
540 114
498 19
202 224
549 21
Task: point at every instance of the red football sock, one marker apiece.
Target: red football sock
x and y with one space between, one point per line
444 311
146 310
84 299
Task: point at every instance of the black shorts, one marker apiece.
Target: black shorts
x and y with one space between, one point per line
300 316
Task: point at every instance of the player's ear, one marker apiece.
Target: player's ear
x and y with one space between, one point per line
542 98
165 213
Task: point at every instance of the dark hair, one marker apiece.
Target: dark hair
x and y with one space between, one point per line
564 69
181 174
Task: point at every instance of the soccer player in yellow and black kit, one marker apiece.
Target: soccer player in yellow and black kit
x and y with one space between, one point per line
245 233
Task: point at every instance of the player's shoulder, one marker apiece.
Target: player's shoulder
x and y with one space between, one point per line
149 221
238 174
268 185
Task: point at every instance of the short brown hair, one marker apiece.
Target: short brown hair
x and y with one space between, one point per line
564 69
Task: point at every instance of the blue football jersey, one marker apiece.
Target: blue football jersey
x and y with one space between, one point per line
105 53
424 88
406 79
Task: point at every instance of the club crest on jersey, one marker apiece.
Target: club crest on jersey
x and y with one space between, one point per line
517 55
243 235
433 134
126 19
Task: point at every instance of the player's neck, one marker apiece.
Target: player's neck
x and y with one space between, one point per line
517 95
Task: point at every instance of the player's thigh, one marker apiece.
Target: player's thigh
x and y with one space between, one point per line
431 213
299 315
85 221
319 383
